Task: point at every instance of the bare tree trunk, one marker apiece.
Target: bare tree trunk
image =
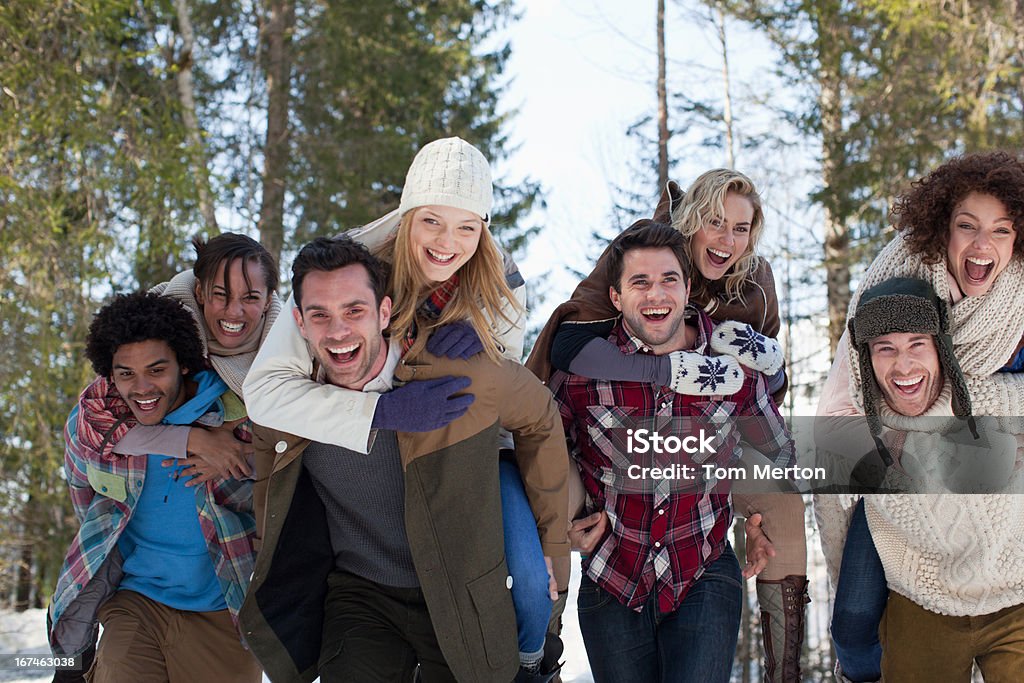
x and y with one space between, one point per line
23 587
837 237
730 140
279 77
1018 13
277 41
663 133
837 274
1018 35
787 312
186 92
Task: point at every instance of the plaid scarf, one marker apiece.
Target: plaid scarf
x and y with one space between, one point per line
432 308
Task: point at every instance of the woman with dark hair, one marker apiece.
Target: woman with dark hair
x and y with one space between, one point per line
960 228
231 297
232 294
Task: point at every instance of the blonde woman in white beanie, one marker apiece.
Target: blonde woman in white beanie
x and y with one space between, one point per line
453 292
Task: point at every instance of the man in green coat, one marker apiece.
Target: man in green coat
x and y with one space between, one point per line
374 564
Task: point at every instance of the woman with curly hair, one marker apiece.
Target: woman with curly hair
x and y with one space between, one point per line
722 215
961 228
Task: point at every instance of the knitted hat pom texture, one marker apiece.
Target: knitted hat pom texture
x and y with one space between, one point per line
449 172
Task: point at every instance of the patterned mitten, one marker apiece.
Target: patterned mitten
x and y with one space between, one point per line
697 375
750 348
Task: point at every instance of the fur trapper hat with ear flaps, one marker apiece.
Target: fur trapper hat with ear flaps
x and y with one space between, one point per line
904 305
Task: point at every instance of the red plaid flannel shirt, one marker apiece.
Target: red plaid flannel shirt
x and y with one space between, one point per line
663 533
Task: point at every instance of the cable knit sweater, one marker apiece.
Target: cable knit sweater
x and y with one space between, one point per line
952 554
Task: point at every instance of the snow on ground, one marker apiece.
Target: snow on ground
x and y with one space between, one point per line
576 669
24 633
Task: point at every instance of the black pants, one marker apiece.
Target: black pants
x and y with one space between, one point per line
377 634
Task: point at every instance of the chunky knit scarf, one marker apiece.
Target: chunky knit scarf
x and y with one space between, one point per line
985 329
960 555
952 554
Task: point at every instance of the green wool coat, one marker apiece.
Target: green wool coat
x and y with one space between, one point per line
453 520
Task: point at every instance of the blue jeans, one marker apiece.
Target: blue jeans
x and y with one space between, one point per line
860 601
525 561
694 644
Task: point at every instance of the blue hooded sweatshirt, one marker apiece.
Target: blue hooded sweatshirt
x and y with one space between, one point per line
166 557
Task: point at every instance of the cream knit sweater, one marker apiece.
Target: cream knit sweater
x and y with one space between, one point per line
952 554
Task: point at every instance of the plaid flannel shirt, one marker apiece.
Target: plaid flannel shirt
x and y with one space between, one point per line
105 488
663 533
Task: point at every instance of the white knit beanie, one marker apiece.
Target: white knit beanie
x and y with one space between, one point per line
449 172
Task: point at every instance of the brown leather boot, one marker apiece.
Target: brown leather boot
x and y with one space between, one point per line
783 605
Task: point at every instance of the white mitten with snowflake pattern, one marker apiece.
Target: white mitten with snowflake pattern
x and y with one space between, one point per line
751 348
694 374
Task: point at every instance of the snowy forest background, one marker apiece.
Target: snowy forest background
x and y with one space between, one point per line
128 126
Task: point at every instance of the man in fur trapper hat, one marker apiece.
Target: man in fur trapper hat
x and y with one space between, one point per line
900 332
925 585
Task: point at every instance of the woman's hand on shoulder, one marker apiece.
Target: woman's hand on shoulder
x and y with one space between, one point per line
457 341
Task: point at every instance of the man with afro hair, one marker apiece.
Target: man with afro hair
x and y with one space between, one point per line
161 563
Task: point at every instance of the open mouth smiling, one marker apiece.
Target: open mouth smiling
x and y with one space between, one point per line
908 386
343 354
655 314
438 257
231 328
978 269
718 257
146 405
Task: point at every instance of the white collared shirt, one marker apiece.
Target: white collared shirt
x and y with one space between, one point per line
385 380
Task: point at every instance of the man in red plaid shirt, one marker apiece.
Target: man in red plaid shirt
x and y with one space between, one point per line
660 598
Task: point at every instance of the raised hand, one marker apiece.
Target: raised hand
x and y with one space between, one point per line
750 348
694 374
